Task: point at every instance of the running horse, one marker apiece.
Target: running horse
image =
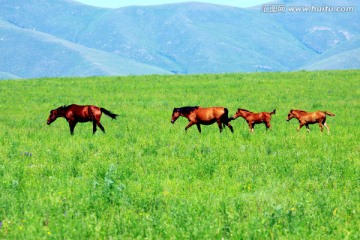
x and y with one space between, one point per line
306 118
76 113
254 118
205 116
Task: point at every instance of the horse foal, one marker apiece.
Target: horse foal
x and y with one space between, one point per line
306 118
254 118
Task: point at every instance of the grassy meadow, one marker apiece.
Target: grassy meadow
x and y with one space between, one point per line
147 178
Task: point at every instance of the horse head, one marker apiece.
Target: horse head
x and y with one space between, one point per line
52 117
175 115
239 113
55 113
182 111
290 115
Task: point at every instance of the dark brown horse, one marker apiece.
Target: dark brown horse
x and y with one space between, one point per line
254 118
306 118
206 116
76 113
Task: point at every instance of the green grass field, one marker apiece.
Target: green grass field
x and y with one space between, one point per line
147 178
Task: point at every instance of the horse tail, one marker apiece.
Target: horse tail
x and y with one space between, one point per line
231 119
110 114
225 117
329 113
273 112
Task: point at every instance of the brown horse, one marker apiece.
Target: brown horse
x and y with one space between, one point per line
254 118
206 116
76 113
306 118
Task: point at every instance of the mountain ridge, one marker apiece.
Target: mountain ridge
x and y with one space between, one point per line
59 57
173 38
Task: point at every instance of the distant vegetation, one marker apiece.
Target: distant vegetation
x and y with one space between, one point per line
146 178
63 38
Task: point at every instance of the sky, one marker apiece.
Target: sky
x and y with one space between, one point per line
124 3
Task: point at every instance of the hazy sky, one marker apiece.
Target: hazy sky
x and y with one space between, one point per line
123 3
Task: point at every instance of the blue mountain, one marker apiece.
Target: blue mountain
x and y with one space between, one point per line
46 38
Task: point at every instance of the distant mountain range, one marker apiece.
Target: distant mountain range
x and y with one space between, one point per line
55 38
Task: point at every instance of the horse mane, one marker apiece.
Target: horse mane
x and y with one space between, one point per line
298 110
186 110
64 107
242 109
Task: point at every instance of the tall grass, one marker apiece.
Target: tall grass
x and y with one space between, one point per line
147 178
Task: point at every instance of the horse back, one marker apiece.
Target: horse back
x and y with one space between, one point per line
312 117
259 117
83 113
266 116
210 114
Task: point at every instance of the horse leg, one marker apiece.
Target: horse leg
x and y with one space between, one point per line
268 126
327 127
220 125
189 125
225 122
251 127
307 128
100 126
198 127
300 126
94 127
231 128
321 126
72 127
